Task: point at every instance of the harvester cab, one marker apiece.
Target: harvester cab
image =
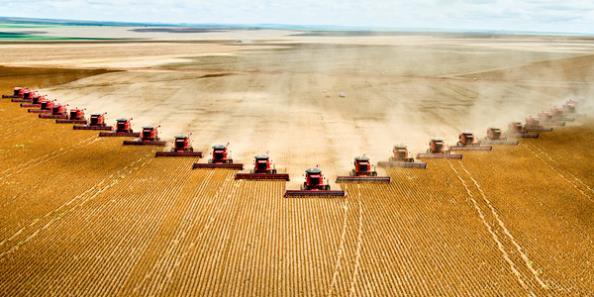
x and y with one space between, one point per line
123 126
314 185
263 170
181 148
97 119
466 142
363 172
149 136
219 159
437 150
401 158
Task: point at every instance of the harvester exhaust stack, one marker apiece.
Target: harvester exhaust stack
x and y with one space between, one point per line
262 171
220 159
314 186
181 148
466 142
437 151
363 172
402 159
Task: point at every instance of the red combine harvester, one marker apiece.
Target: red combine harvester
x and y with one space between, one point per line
494 136
58 112
220 159
16 93
45 106
96 122
75 116
437 151
558 114
533 125
27 96
466 142
315 185
149 136
35 102
515 129
363 172
123 129
401 158
181 148
262 171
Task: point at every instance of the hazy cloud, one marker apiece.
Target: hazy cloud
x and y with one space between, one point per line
531 15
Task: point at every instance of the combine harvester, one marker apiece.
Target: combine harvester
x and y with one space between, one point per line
262 171
58 112
220 159
401 159
515 129
494 137
363 172
558 114
181 148
17 93
149 136
569 106
123 129
548 120
45 106
437 151
466 142
75 116
96 122
35 102
533 125
315 185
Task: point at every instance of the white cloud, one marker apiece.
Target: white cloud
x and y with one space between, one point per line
532 15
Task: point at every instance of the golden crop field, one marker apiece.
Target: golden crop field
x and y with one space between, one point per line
86 216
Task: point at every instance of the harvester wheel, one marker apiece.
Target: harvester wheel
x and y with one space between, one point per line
230 161
327 187
273 171
374 173
191 149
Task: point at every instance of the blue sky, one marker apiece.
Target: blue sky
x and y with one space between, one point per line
523 15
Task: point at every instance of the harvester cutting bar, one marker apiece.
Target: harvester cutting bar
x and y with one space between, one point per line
262 176
118 134
53 116
21 100
482 148
499 142
69 121
179 154
39 110
89 127
314 193
402 164
439 156
31 105
363 179
237 166
144 142
9 96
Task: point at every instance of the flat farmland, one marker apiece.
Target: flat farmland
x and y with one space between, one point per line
83 215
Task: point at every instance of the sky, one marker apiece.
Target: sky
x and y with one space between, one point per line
573 16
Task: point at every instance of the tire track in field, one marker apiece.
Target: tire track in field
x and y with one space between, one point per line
47 157
494 236
57 214
358 252
341 248
555 166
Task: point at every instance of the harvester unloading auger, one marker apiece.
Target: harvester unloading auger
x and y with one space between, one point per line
467 142
437 150
181 148
96 122
315 185
263 170
58 111
123 129
495 137
220 159
363 172
401 158
75 116
149 136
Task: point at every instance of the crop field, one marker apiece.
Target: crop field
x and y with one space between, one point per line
86 216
